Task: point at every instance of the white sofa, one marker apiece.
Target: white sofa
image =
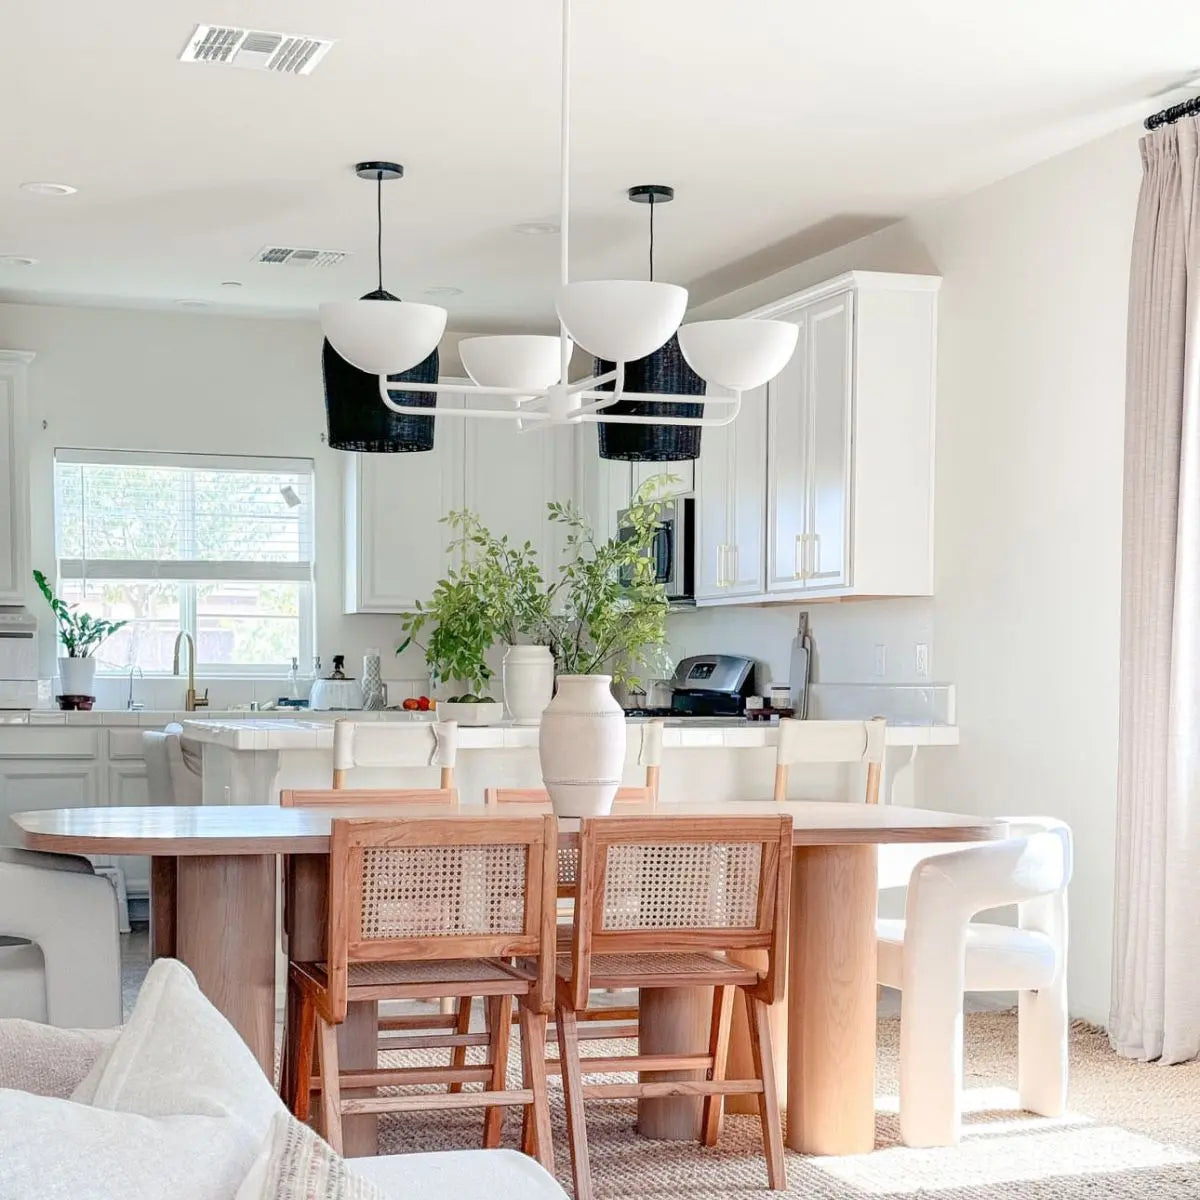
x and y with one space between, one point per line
69 1066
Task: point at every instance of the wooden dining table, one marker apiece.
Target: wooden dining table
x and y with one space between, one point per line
214 883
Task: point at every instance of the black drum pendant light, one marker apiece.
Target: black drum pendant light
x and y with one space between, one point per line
665 372
356 416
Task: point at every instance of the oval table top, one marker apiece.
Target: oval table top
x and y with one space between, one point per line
222 829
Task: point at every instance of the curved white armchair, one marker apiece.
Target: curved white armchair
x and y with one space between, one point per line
67 969
937 952
171 779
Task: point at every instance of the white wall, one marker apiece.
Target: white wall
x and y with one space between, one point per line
139 380
1026 617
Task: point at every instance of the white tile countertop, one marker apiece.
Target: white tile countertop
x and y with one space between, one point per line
258 733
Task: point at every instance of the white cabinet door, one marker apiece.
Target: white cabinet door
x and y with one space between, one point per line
14 482
808 468
787 468
510 478
33 783
830 364
127 786
395 541
730 504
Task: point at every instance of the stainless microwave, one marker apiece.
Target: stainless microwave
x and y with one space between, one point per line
673 551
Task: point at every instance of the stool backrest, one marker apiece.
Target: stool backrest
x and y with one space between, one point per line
831 742
367 797
396 745
673 885
170 779
436 889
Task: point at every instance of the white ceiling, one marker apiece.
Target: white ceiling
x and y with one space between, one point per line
781 123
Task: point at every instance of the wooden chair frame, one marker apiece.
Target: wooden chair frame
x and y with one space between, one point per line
327 989
760 987
831 742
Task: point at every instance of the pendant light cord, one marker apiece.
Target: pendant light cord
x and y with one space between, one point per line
651 239
379 225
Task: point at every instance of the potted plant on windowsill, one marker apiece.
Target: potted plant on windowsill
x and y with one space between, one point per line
80 635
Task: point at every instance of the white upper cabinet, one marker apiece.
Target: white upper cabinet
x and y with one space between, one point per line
730 508
845 485
396 543
14 478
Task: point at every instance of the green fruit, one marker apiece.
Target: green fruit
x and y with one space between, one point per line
487 700
468 698
454 700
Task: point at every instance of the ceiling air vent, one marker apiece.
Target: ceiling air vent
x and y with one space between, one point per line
287 53
293 257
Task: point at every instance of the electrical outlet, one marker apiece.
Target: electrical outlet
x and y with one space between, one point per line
881 660
922 657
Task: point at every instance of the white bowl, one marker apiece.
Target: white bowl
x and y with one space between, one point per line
621 320
740 354
519 360
383 337
483 713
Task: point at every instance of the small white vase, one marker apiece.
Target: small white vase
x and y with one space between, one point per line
528 674
582 746
77 676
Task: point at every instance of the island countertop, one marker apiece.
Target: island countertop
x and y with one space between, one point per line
289 733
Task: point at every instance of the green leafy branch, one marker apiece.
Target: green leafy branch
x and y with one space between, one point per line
79 632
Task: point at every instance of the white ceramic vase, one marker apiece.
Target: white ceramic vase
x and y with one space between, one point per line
77 676
582 746
528 674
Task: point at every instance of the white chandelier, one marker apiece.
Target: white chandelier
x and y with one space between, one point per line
618 320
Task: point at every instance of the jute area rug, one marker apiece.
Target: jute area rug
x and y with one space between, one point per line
1133 1130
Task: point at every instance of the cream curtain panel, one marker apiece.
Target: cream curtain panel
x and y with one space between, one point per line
1156 960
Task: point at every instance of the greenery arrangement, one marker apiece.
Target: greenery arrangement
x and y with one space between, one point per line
79 633
602 611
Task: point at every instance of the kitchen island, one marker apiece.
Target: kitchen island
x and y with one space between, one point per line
248 761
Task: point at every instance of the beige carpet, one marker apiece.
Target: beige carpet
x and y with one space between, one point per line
1133 1131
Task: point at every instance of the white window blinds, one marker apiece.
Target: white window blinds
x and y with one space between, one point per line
183 517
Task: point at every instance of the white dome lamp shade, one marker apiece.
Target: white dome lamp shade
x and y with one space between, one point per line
740 354
528 361
382 339
621 319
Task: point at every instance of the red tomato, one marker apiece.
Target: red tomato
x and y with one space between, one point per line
411 705
423 703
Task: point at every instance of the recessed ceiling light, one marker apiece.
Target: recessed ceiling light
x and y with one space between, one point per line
192 303
536 228
443 290
16 260
231 283
42 188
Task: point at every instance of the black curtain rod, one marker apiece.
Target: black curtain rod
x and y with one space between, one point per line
1168 116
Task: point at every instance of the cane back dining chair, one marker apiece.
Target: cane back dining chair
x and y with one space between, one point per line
394 746
431 907
831 742
305 885
662 903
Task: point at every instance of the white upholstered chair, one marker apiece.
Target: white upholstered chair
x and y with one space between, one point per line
937 952
394 745
60 957
169 776
831 742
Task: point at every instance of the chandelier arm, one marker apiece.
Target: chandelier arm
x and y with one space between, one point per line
394 385
491 414
665 398
591 383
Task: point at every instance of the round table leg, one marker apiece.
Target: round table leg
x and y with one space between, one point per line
225 933
673 1021
831 1000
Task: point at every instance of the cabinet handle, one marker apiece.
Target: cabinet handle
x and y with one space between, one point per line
735 569
721 565
816 557
801 571
725 579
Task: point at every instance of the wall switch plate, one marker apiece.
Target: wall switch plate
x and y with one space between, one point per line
922 657
880 660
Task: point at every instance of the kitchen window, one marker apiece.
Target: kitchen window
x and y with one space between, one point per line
219 546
